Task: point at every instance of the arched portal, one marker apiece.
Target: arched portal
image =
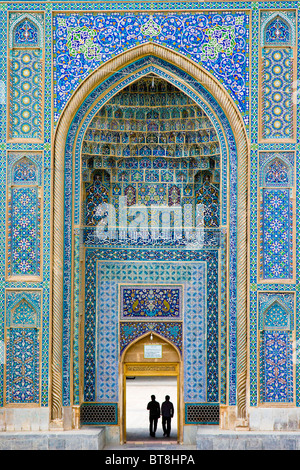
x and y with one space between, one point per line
90 97
152 355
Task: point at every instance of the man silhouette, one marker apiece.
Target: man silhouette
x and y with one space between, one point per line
167 412
154 414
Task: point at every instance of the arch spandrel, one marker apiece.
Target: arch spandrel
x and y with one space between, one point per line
134 352
235 121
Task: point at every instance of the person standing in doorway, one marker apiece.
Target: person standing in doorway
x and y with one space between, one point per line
154 414
167 412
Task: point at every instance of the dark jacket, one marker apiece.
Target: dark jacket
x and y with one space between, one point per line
154 409
167 409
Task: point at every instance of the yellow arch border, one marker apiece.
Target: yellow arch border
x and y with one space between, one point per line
238 128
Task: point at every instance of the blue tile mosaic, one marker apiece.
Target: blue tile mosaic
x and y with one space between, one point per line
202 369
22 366
232 301
218 41
148 302
277 101
24 232
277 232
276 367
217 37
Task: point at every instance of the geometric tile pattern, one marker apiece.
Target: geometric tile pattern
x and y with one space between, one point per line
277 31
23 346
269 10
149 147
223 320
152 194
47 205
278 27
276 367
271 146
98 413
275 309
276 317
110 274
277 94
276 238
96 194
77 286
25 34
202 366
8 20
23 308
24 313
24 232
208 195
25 41
196 354
172 331
276 320
276 169
277 173
283 301
26 29
24 168
25 103
24 174
22 366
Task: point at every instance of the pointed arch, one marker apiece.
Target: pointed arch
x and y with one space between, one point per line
269 20
155 334
234 118
24 171
25 33
31 19
276 173
282 169
24 313
272 323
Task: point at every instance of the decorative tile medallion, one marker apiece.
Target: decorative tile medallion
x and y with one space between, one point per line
151 302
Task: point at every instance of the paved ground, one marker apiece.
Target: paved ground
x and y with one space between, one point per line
151 446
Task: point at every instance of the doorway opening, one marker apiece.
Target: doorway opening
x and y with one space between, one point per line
144 376
138 394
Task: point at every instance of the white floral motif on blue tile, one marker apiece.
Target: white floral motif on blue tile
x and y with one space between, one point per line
276 369
218 41
277 234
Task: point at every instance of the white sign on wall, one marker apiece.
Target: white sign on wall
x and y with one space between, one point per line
152 351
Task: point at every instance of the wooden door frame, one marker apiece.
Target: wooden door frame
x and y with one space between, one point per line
151 369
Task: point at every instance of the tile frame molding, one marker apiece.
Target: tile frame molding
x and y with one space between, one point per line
242 144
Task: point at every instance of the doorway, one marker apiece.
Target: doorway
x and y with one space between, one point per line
143 377
138 393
